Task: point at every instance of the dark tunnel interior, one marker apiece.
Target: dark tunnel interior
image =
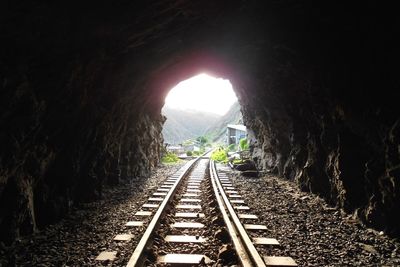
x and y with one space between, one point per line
83 84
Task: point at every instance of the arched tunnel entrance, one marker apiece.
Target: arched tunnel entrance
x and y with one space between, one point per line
197 111
82 87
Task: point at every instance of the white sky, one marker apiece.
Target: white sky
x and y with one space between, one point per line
202 93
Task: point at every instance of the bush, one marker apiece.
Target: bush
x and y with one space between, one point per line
232 147
189 153
219 155
170 158
243 144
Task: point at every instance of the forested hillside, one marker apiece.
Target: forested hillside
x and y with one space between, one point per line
216 131
185 124
182 125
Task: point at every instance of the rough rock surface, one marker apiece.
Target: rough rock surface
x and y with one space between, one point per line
82 86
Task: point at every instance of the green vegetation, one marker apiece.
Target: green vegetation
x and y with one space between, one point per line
243 144
232 147
189 153
202 140
170 158
185 124
198 153
220 155
216 131
238 161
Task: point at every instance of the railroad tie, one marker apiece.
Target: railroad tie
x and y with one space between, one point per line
157 199
189 215
150 206
247 216
188 206
279 261
265 241
187 225
134 224
255 227
181 259
185 239
237 201
143 213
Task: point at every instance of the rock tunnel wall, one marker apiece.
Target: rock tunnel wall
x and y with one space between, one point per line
82 86
69 124
326 115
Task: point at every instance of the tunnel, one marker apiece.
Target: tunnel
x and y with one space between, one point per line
83 84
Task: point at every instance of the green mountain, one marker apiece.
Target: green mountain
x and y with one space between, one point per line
182 125
216 132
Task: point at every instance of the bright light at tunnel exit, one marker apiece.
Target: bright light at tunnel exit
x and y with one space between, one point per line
202 93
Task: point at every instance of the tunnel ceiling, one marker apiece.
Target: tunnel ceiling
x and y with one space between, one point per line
83 83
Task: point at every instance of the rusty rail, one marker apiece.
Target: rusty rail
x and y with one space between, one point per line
137 256
246 251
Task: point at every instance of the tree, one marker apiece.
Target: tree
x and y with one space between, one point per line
202 140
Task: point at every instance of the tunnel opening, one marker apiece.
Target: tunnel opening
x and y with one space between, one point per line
202 93
198 111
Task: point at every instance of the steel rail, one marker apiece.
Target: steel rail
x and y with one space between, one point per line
137 257
235 236
255 257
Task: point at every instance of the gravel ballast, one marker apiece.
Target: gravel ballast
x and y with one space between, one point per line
310 231
90 229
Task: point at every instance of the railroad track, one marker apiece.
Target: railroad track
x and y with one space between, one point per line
199 219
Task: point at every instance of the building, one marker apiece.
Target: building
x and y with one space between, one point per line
235 132
177 150
191 147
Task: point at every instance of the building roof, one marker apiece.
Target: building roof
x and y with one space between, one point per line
237 127
174 147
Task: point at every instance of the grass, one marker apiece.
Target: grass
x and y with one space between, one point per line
220 155
170 158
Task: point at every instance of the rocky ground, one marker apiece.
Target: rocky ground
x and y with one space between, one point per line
78 239
310 231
